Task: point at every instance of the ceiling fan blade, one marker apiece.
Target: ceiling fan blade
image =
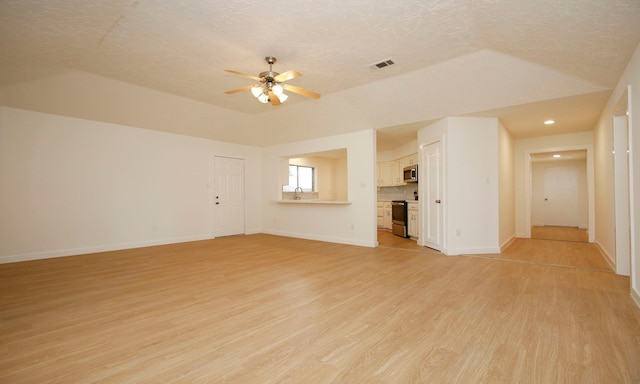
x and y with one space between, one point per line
243 74
302 91
287 76
274 99
245 88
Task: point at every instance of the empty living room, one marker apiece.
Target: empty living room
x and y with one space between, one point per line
319 192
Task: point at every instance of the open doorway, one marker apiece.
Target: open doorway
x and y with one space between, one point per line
559 196
580 159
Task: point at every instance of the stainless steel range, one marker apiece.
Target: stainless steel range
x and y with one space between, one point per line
399 218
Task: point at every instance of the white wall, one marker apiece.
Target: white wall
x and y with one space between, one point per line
603 137
342 179
507 201
348 224
471 179
472 185
632 77
72 186
522 149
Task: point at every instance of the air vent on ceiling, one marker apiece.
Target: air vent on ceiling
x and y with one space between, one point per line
382 64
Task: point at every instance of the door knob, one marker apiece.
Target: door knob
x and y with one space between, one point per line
437 201
217 203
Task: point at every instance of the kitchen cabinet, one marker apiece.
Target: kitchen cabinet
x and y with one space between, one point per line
413 213
391 173
387 215
380 214
385 174
412 159
398 173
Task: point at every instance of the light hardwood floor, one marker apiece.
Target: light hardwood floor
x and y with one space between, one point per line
559 233
267 309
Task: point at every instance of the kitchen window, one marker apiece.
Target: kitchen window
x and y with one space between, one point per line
302 177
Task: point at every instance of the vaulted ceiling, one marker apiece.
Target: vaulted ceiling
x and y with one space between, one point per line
565 55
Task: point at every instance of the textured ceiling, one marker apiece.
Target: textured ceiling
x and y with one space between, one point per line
183 46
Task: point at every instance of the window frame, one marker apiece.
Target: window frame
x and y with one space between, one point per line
292 188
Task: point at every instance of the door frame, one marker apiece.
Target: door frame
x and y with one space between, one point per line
422 189
528 194
212 193
623 185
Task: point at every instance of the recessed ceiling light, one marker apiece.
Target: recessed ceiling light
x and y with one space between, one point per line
556 156
549 122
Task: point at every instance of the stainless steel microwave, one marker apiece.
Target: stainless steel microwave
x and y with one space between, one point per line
411 174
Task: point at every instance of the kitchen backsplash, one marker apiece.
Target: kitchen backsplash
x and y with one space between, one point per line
403 192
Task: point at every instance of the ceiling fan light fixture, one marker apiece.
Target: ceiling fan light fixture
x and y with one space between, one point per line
256 91
277 89
263 98
282 97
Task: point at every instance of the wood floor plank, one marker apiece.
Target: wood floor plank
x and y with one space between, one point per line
550 232
267 309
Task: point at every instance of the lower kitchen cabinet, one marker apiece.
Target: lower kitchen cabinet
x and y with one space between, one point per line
413 211
384 214
387 215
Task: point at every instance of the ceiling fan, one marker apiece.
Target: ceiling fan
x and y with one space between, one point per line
271 87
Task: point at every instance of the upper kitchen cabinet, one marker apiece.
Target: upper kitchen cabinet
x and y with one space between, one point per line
412 159
385 174
398 174
390 173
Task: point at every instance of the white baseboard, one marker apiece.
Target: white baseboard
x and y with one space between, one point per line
507 243
607 258
327 239
102 248
636 297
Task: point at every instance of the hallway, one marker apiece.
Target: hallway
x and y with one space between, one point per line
572 253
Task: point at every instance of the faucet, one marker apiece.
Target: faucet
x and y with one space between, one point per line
295 193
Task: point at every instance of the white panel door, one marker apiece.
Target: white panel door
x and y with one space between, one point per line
228 196
433 200
561 197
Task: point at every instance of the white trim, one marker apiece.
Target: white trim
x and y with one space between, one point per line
507 243
103 248
606 256
635 286
635 296
441 138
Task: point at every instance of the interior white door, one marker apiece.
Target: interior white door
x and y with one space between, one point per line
432 163
561 196
228 196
